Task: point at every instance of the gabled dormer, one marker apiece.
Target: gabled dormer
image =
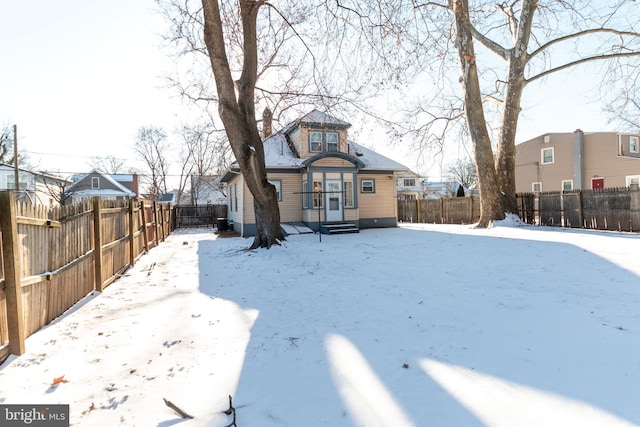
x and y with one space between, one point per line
317 133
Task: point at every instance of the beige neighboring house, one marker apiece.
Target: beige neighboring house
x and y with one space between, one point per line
39 188
323 180
410 186
577 161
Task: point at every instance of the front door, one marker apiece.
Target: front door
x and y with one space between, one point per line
333 200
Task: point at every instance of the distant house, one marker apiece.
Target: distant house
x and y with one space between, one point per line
577 160
107 187
410 186
39 188
323 180
208 190
442 189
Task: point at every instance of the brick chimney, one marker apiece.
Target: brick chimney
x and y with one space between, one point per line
135 184
267 117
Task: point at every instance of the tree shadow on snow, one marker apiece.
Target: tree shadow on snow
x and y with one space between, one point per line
428 329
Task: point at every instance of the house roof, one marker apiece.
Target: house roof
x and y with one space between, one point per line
119 188
43 175
278 154
318 118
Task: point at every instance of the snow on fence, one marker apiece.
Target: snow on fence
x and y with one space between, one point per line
455 210
601 209
53 258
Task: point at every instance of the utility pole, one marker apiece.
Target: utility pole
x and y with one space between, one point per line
15 157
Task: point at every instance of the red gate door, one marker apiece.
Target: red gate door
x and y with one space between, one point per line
597 183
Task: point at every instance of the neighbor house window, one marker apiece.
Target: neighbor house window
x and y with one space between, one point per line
348 192
633 179
536 187
567 184
315 142
634 144
367 186
547 155
278 184
95 182
317 194
409 182
305 195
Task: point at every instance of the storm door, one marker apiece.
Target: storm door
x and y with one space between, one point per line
333 200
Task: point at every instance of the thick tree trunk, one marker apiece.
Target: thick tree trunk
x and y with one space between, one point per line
238 115
505 162
517 61
490 200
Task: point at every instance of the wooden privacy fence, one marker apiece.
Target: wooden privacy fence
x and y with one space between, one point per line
197 216
457 210
53 258
602 209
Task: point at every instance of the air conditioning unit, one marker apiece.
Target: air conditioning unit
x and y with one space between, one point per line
546 139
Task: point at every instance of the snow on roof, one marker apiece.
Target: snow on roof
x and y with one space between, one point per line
316 117
374 160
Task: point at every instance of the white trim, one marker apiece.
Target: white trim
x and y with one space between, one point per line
533 187
634 144
570 181
553 156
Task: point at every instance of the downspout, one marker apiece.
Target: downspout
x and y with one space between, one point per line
578 159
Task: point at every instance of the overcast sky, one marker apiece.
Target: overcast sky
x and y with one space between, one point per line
80 77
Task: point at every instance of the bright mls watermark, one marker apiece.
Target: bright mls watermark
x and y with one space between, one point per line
34 415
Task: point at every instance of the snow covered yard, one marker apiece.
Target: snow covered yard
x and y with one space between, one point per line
423 325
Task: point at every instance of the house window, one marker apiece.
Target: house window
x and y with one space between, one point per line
634 144
536 187
547 155
305 195
315 142
317 194
409 182
323 141
348 192
95 183
332 141
567 184
278 184
633 179
11 182
367 186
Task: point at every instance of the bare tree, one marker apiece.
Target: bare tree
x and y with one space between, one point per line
463 171
6 138
152 148
209 154
110 165
531 39
238 114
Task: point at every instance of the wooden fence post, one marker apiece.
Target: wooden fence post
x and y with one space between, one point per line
97 242
143 220
155 222
132 231
13 291
417 210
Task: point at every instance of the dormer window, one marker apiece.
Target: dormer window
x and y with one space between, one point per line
323 141
332 141
315 142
